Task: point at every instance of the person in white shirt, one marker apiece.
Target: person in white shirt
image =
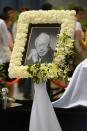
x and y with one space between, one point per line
5 52
80 47
4 43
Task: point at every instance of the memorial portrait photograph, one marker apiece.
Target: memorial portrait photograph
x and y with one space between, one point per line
41 45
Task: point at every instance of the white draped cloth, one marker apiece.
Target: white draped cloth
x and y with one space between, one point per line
43 117
76 92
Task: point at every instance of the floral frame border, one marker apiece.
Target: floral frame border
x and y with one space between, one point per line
64 48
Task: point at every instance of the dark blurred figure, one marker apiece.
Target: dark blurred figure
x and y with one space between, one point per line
10 13
23 8
46 6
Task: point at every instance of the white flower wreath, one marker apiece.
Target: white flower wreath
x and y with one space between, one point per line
64 48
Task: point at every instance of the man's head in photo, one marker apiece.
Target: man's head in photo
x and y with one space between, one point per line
42 44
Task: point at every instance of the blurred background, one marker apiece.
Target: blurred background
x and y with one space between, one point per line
35 4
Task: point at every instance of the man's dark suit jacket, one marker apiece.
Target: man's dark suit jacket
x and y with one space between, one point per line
47 58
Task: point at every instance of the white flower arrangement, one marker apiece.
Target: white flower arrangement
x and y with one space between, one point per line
64 48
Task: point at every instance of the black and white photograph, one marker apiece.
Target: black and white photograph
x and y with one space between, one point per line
41 45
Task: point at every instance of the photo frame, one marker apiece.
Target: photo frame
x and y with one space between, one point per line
39 32
59 67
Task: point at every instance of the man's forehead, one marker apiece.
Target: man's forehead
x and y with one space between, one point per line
43 38
42 35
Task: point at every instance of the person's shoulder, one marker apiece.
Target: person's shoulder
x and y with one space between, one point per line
1 21
78 26
78 23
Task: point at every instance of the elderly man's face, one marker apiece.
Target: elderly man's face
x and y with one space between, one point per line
42 47
42 43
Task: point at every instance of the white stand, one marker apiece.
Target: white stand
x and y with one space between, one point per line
43 117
